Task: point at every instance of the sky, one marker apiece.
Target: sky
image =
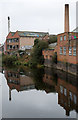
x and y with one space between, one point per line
35 15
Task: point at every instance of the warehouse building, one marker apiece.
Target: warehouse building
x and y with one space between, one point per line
22 40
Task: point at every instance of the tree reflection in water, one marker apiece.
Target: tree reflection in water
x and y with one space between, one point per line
49 80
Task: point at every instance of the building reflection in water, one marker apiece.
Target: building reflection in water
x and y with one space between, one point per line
67 91
66 87
18 81
51 81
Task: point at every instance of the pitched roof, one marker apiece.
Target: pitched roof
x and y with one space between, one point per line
13 33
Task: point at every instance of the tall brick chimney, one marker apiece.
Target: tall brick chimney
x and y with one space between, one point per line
66 26
8 24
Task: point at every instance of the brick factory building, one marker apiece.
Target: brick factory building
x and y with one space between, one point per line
67 48
21 40
67 44
48 54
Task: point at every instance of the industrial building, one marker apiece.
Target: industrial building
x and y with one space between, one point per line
21 40
67 47
67 44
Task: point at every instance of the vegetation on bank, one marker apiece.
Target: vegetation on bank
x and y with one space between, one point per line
37 58
12 60
34 60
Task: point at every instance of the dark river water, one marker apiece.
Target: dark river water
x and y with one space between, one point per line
38 93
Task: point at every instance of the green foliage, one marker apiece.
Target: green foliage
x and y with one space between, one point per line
36 41
38 77
21 52
17 63
52 39
36 55
9 60
26 64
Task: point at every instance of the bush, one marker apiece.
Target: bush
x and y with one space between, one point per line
26 64
52 39
36 55
9 60
17 63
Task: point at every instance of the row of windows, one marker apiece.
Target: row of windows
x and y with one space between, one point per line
61 37
13 75
12 46
63 51
71 95
14 81
13 40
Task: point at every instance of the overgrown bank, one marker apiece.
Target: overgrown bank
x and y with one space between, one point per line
35 59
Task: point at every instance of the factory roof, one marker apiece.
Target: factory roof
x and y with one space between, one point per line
13 33
30 33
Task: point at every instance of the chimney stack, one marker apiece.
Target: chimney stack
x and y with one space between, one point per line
8 24
66 26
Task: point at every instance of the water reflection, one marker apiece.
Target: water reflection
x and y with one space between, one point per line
48 80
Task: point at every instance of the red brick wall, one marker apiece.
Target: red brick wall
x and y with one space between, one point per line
66 58
10 37
48 53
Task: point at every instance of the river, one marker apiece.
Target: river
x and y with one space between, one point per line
38 93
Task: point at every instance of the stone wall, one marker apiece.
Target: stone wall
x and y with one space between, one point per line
70 68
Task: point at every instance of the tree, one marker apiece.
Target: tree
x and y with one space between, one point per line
36 41
52 39
36 55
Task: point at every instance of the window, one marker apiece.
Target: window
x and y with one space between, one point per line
60 50
13 40
61 89
70 93
13 46
10 46
10 40
60 38
64 37
50 57
17 40
46 56
70 50
64 50
17 46
74 51
75 99
65 92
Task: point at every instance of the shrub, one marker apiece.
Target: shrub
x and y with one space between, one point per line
26 64
36 55
9 60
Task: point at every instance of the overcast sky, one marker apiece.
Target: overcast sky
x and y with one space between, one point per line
35 15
